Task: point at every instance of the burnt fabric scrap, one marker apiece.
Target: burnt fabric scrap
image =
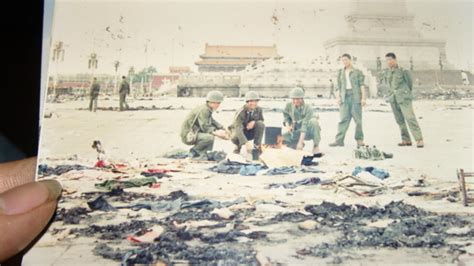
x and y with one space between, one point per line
154 174
411 227
100 204
137 182
302 182
72 216
45 170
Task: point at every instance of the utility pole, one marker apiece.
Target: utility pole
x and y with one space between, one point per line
58 56
93 64
116 66
131 73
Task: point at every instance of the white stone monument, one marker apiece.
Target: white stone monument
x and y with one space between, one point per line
376 28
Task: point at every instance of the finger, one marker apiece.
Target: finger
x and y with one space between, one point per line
24 212
17 173
19 230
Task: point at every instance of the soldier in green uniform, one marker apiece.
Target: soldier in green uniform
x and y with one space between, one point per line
248 124
124 90
331 88
95 90
300 122
350 98
200 128
400 97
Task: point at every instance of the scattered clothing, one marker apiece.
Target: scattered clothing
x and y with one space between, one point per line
227 167
216 156
310 169
281 170
303 182
137 182
100 204
157 174
178 154
250 170
377 172
45 170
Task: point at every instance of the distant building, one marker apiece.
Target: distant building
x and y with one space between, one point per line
229 58
175 72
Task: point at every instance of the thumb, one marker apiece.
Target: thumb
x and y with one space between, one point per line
24 212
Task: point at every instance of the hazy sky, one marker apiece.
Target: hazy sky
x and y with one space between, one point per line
177 31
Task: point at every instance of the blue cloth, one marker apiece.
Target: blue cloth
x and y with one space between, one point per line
249 170
284 170
377 172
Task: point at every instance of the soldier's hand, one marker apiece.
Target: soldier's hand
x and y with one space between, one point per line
363 102
338 101
221 134
250 125
26 207
249 146
289 129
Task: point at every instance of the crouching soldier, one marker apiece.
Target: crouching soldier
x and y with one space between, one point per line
200 128
248 125
300 122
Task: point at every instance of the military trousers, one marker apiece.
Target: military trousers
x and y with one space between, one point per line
93 102
404 115
348 111
204 143
313 132
255 134
123 103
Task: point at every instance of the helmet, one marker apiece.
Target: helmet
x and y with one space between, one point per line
252 96
297 93
215 96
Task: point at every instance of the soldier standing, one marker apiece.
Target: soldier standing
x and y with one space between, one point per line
199 128
300 122
331 87
95 90
400 97
350 98
248 125
124 90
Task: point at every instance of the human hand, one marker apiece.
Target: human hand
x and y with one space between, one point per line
26 207
338 101
220 133
300 145
363 102
289 129
249 146
250 125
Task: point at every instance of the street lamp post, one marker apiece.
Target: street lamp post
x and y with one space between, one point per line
131 73
58 56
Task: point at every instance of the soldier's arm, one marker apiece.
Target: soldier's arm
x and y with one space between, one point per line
408 79
307 117
203 121
239 128
362 86
286 116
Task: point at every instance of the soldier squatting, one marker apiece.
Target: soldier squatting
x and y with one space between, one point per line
199 129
